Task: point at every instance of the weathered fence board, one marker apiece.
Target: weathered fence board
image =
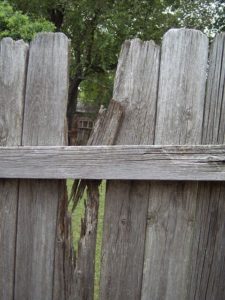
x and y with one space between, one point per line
181 87
208 259
104 133
205 163
172 207
44 124
214 115
13 57
125 220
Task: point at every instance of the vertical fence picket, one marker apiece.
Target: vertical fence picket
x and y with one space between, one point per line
126 202
13 58
172 206
39 200
208 259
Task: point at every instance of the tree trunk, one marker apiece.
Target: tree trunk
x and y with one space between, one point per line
72 99
56 16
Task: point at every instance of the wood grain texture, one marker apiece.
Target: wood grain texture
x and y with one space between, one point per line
181 87
44 124
46 91
13 59
208 255
107 125
123 251
104 132
214 114
172 207
114 162
125 221
208 259
83 286
170 226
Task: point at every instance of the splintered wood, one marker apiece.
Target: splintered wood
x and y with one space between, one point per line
104 133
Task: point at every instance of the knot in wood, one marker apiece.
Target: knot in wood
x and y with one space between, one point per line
188 114
123 221
191 221
152 218
3 132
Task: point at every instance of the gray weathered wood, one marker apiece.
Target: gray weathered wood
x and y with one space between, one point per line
13 58
104 132
114 162
107 125
38 239
214 115
83 285
125 220
208 254
172 206
181 87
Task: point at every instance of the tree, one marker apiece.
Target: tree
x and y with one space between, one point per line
205 15
19 26
98 28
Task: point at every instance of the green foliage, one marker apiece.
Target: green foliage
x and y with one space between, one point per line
97 90
97 29
205 15
19 26
219 22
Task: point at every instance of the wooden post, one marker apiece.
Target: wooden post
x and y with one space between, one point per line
126 202
13 60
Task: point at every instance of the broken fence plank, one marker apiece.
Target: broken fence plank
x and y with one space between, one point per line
104 132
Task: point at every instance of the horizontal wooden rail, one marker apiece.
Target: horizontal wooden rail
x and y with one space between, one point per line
115 162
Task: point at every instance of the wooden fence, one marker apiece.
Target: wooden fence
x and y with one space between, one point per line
164 226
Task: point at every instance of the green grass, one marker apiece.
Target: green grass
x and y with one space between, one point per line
76 221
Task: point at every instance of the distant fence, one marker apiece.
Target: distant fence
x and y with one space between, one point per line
164 227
